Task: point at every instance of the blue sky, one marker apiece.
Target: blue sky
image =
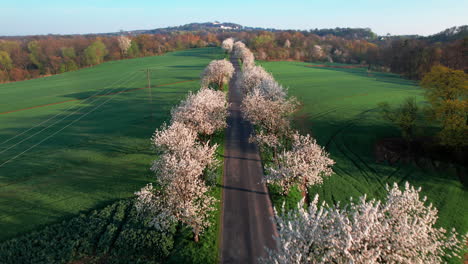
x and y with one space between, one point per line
423 17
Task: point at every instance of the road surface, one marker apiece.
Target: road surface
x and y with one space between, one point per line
247 226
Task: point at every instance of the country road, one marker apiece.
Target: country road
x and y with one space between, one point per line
247 226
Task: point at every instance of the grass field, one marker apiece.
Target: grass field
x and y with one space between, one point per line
85 151
117 234
339 111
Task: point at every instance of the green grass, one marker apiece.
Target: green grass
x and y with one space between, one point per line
339 111
115 234
100 158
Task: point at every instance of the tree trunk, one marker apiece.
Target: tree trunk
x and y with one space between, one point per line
221 85
275 159
196 237
305 195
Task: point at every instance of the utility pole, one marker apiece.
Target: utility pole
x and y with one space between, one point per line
148 79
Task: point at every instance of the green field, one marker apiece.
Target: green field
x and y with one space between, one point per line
80 141
71 157
339 110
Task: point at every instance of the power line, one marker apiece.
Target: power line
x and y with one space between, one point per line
27 178
148 78
63 118
71 123
59 113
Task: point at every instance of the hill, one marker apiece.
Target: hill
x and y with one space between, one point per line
216 27
450 34
207 27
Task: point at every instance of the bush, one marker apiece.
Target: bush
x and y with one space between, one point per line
109 235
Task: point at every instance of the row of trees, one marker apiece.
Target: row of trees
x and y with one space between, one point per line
411 57
400 229
295 159
186 160
31 57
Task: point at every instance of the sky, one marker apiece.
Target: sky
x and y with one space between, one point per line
397 17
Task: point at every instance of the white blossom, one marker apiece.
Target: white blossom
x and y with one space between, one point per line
218 72
251 78
204 112
248 59
306 163
228 44
272 90
243 53
237 48
124 44
189 162
183 194
269 115
265 140
400 229
317 52
184 199
175 138
151 204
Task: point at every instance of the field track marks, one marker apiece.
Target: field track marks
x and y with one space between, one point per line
371 170
364 169
30 208
356 164
336 66
99 95
348 124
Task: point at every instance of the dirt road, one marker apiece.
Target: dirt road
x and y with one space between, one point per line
247 227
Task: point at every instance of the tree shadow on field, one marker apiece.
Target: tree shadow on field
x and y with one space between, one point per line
91 95
36 211
201 53
95 152
351 143
198 66
377 76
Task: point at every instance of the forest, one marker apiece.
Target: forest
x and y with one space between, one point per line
28 57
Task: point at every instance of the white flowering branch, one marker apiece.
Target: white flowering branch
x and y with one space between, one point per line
400 229
218 72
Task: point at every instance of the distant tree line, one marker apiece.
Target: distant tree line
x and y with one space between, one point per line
24 58
411 56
